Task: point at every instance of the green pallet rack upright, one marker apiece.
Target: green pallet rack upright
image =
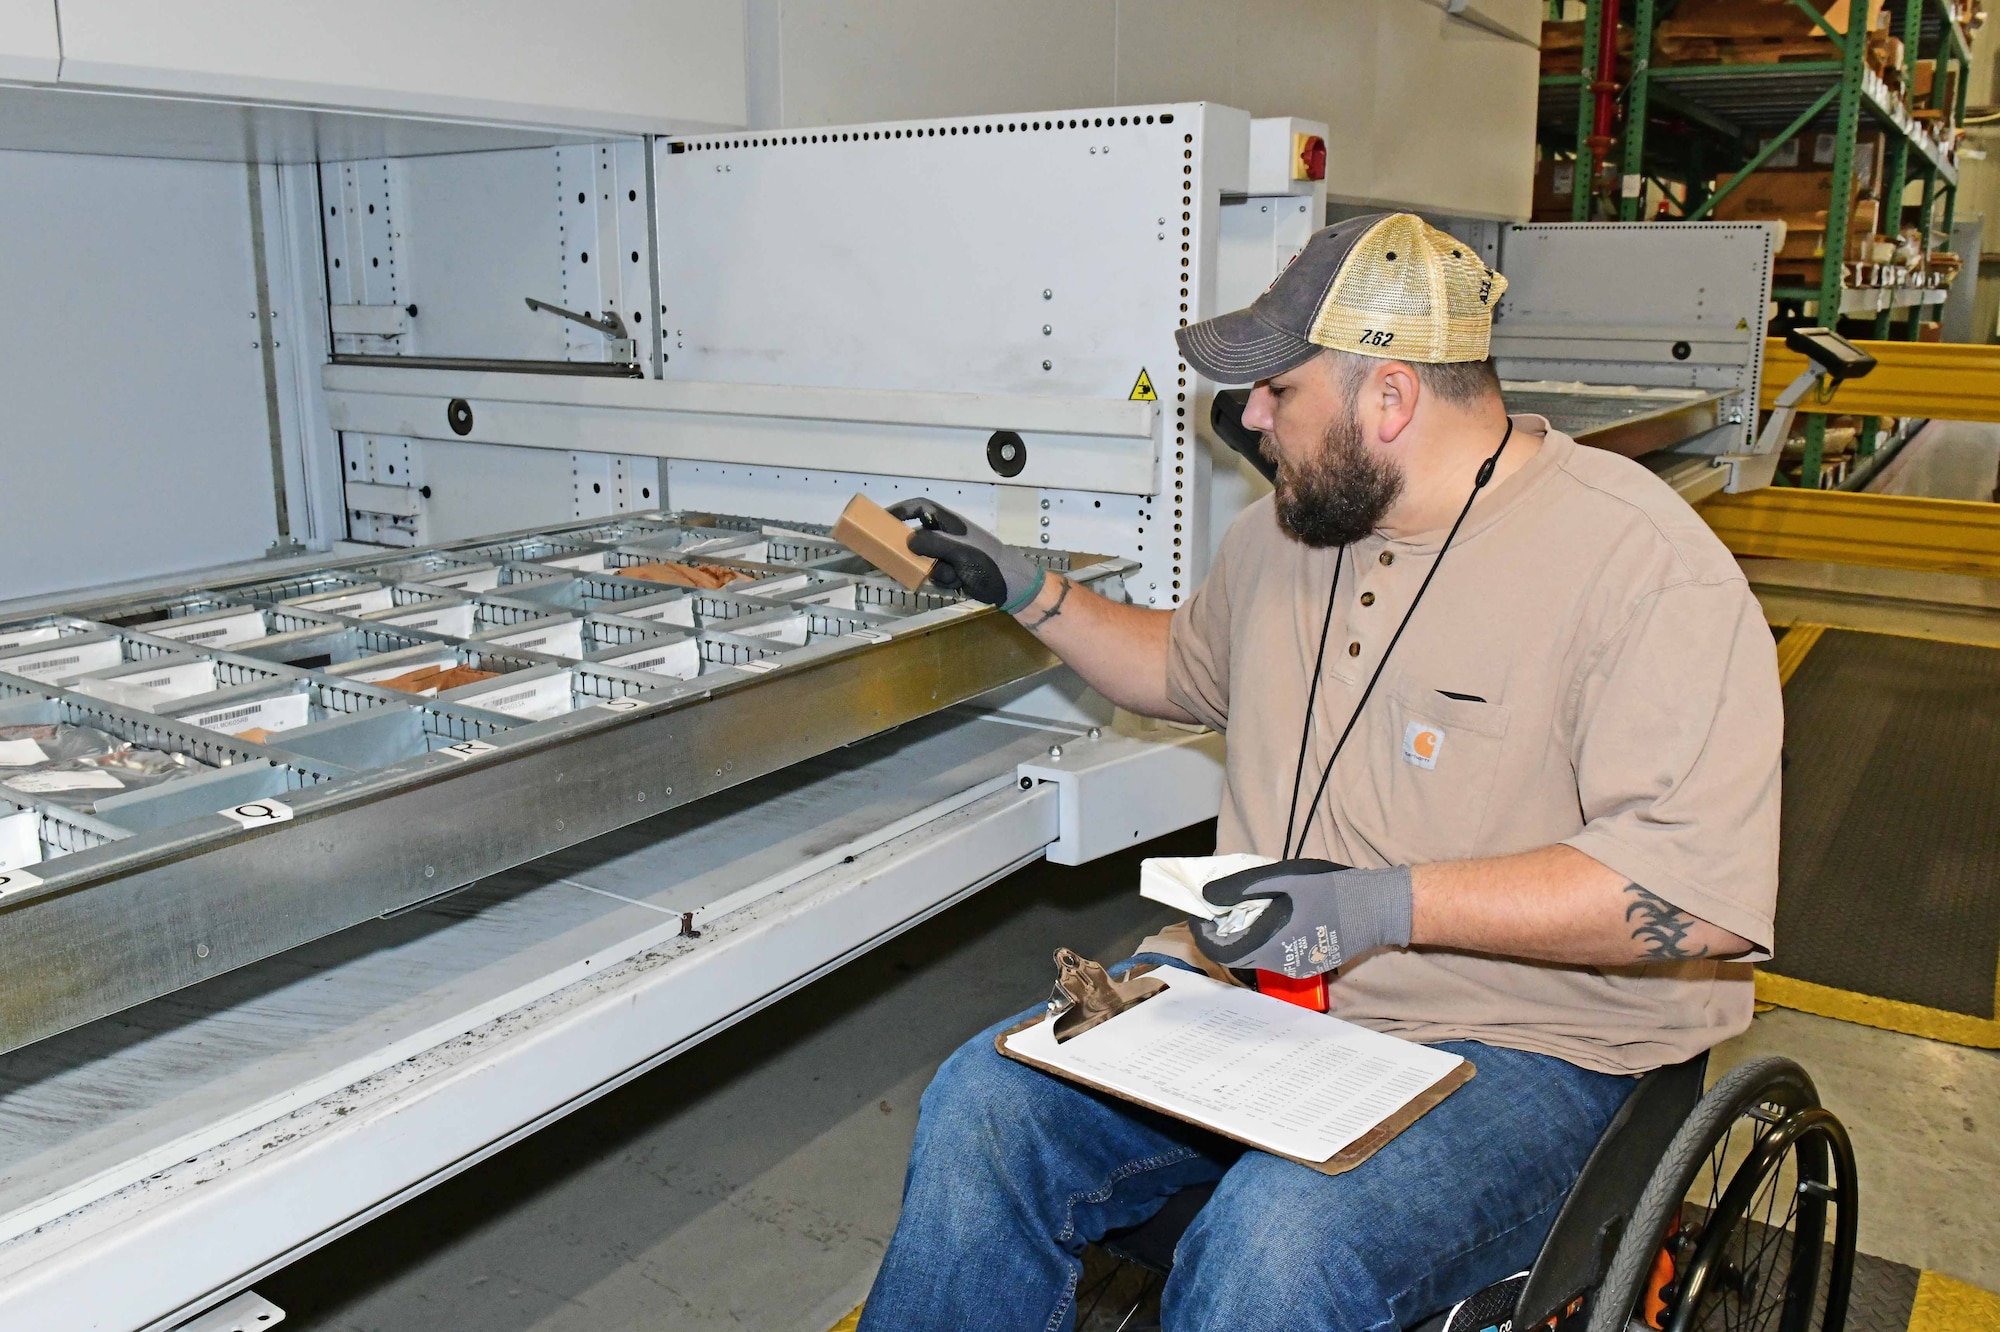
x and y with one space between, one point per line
1756 109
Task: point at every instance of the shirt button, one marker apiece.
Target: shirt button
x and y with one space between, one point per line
1367 598
1387 557
1354 649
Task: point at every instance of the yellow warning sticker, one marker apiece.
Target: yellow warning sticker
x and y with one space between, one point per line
1142 388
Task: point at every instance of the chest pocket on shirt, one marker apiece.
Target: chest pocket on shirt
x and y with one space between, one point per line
1426 790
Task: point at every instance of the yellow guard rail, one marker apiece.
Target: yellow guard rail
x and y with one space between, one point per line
1948 381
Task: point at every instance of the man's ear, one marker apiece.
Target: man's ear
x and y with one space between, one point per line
1396 390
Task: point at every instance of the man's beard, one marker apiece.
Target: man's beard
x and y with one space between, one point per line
1340 495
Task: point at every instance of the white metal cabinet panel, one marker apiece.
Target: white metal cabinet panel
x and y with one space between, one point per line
134 435
462 238
29 48
597 64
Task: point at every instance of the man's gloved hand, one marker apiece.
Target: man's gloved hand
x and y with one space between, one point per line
970 557
1320 916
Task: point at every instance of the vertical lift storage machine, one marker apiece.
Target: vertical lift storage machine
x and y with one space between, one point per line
635 814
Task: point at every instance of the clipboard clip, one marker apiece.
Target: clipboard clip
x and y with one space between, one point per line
1085 995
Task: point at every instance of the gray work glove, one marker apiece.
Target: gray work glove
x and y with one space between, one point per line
970 557
1321 915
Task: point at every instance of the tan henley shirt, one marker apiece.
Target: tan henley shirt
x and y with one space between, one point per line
1588 667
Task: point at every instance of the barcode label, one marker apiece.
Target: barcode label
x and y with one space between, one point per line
282 713
452 621
60 666
352 603
681 659
557 640
594 562
148 689
471 580
238 627
839 598
545 698
679 611
28 637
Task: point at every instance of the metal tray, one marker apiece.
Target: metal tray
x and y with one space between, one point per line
370 799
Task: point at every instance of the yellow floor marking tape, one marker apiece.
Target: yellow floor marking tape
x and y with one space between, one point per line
853 1320
1792 648
1948 1305
1870 1010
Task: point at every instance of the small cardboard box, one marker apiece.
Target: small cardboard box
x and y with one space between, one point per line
878 536
1768 194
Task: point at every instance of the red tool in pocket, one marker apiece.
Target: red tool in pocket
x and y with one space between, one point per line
1308 992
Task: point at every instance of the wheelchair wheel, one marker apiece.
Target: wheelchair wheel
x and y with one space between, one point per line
1731 1233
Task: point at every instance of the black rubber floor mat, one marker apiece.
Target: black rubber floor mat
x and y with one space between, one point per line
1884 1293
1889 874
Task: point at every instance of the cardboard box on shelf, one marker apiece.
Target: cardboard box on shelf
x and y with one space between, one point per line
1562 49
1814 151
1803 243
1868 154
1749 32
1923 81
1554 181
1769 194
1885 55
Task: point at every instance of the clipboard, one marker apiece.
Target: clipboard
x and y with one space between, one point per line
1340 1162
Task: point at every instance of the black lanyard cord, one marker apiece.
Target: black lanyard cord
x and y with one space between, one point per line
1305 731
1478 484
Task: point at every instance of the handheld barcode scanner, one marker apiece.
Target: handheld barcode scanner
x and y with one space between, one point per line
1830 359
1225 417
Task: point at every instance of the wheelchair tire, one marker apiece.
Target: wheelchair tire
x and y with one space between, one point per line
1760 1120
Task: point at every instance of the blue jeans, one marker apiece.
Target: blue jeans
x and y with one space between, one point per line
1014 1171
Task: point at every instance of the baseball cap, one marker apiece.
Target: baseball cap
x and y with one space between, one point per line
1388 285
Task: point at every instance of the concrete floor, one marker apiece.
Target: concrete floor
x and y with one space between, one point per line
753 1183
1925 1119
1947 460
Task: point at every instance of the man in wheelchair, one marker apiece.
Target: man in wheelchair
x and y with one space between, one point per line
1521 689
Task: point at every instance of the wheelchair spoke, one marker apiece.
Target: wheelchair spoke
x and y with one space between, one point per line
1749 1287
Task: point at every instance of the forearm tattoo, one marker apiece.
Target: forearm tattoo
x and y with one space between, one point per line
1659 927
1055 610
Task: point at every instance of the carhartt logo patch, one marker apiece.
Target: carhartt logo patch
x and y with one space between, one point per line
1421 743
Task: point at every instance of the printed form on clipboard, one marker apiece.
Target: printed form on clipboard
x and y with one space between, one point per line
1284 1079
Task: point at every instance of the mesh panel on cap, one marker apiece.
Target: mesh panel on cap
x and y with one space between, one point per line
1409 291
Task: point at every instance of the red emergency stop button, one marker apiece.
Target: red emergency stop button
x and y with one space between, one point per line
1308 157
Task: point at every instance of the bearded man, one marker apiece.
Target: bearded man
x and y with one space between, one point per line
1508 717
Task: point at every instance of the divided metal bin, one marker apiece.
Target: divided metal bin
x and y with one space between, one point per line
382 729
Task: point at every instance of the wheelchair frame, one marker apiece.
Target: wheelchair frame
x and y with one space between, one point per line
1617 1245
